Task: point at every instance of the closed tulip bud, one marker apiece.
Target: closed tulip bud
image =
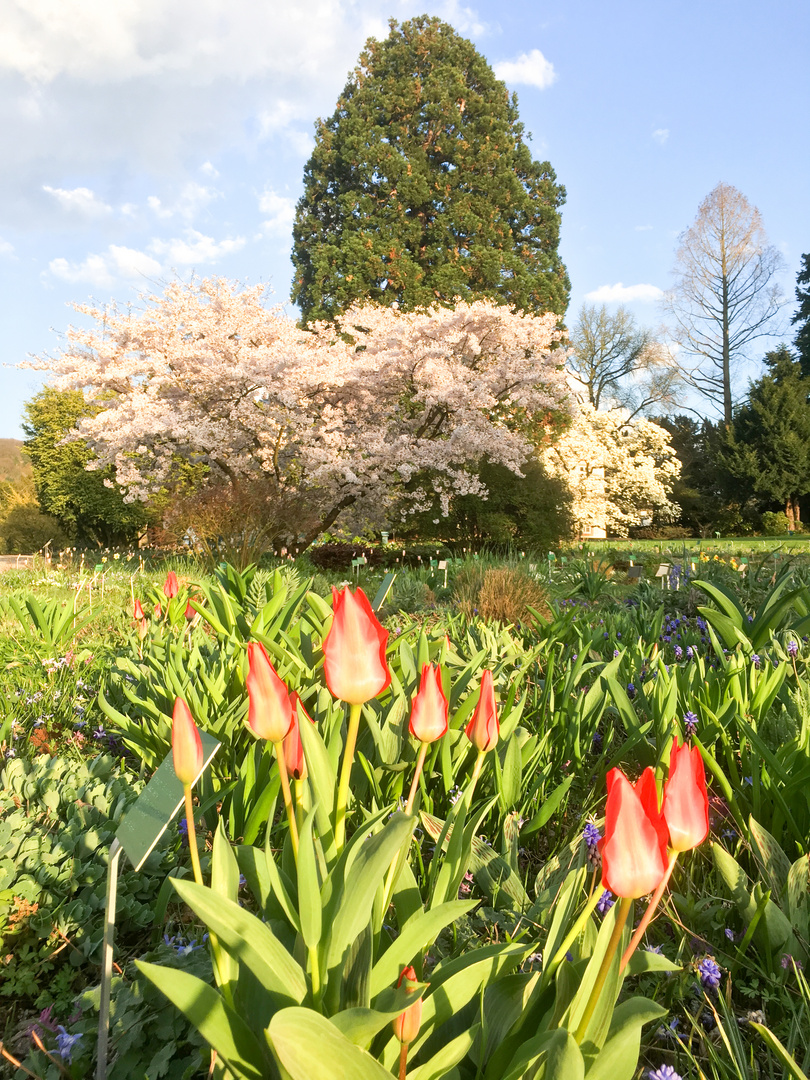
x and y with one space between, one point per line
634 848
138 612
430 708
142 626
407 1024
270 713
686 802
187 752
190 612
483 730
171 586
158 611
292 746
354 665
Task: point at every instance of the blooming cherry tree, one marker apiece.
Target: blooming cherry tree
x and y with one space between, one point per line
377 410
615 468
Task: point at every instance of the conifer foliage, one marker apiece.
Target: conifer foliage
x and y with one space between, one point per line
421 189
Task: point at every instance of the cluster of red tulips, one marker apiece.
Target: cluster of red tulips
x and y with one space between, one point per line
356 671
643 837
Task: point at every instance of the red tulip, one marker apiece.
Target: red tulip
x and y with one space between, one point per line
430 707
158 611
187 752
270 712
293 747
171 586
138 612
634 848
407 1024
483 729
354 650
190 612
686 803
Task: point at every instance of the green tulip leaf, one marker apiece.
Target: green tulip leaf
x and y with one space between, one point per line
220 1026
310 1047
248 940
309 887
417 934
618 1058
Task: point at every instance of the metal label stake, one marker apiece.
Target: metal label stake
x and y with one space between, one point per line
140 829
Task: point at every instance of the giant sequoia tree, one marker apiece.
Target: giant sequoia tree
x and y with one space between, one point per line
421 189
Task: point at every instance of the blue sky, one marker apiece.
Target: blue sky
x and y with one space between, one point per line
143 138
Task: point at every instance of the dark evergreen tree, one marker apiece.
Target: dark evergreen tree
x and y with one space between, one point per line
421 189
768 446
80 500
707 499
802 316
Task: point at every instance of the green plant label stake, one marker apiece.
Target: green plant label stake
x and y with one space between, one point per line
141 828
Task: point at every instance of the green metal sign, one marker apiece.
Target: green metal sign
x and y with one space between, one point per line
149 817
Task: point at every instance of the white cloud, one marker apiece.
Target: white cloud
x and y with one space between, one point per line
530 69
642 228
5 247
195 248
280 211
661 135
80 200
105 270
208 170
191 200
619 293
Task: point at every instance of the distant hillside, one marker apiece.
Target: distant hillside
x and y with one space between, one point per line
12 463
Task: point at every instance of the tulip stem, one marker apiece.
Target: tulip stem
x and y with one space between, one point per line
648 914
403 1061
479 762
285 789
573 934
192 836
625 903
299 804
345 775
420 761
398 861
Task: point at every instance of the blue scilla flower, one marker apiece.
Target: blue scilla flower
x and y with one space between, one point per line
65 1042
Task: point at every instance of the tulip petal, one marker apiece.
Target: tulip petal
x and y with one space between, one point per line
270 711
633 857
187 752
430 707
355 666
483 729
686 801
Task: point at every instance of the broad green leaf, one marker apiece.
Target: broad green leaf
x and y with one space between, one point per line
310 1047
221 1027
773 859
550 806
363 878
446 1057
249 940
418 933
618 1058
309 887
643 961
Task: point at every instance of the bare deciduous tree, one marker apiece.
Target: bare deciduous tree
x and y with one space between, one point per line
621 364
725 293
